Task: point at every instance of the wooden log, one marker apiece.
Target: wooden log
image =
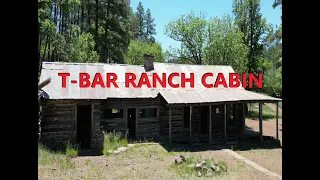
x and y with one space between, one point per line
225 123
210 124
260 122
277 123
190 123
57 122
244 119
170 133
56 129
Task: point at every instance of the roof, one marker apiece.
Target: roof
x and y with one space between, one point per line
212 96
54 89
198 94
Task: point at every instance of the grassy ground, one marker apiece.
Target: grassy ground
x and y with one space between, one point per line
268 111
113 141
154 161
143 161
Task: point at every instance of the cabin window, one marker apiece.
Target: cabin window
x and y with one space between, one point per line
113 113
148 112
186 117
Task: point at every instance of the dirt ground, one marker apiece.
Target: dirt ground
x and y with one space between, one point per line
143 162
153 162
268 158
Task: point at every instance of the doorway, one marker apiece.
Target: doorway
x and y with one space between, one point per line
84 126
131 122
204 118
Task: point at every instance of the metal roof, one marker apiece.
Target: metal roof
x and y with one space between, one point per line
198 94
54 89
212 95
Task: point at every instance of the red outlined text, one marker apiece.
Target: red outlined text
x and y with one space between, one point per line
162 80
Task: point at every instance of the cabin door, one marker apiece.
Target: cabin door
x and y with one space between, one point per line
84 126
131 122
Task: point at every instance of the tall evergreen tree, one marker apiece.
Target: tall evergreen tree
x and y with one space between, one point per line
150 27
141 20
251 23
83 30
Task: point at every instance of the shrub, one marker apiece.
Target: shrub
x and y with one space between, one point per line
112 141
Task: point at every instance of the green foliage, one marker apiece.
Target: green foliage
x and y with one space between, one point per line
277 3
251 23
81 48
225 46
141 21
142 24
272 82
190 30
150 27
58 160
84 30
138 48
267 112
187 168
112 141
72 150
123 142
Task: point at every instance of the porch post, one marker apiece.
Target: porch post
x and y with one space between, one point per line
225 123
170 126
277 125
190 129
244 119
260 122
210 113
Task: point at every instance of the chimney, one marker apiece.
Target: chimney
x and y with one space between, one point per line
148 62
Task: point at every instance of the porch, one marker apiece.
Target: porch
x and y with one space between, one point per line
213 123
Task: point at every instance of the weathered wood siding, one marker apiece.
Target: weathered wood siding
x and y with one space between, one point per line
145 127
182 134
237 128
217 119
177 130
58 124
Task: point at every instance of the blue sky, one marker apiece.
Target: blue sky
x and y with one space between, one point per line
164 11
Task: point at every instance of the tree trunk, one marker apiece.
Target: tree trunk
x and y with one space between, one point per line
107 38
89 9
96 32
45 48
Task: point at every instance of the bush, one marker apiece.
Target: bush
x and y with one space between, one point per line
112 141
208 166
72 150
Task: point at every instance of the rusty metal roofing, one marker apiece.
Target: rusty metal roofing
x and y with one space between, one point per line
198 94
212 95
54 89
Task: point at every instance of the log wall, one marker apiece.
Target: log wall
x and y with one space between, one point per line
146 127
58 124
179 133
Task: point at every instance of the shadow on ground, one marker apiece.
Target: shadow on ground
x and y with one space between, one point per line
241 146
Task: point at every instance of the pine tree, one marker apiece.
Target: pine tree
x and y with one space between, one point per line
141 20
150 27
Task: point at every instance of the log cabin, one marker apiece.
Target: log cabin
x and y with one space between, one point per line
170 115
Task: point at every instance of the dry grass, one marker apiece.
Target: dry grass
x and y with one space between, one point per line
143 161
270 159
112 141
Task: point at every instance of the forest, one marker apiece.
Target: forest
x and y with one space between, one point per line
110 31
